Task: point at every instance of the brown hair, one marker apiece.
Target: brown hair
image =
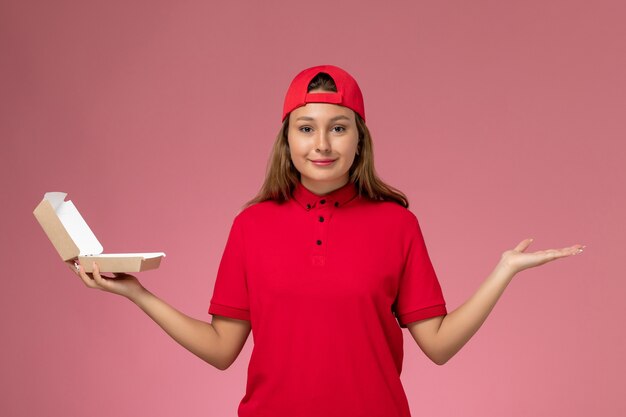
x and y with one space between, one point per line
282 176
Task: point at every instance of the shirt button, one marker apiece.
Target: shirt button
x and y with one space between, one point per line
336 203
322 201
308 206
321 218
319 242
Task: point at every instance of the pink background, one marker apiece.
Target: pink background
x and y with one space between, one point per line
499 120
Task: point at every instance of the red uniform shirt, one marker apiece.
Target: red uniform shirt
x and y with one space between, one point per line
327 282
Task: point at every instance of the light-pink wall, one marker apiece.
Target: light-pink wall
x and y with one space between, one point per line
499 120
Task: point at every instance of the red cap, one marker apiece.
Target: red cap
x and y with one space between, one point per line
348 92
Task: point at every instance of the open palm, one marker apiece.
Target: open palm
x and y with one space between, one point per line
518 259
122 284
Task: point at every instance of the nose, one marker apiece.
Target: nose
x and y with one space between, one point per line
322 143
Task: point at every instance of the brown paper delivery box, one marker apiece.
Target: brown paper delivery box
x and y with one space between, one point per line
72 238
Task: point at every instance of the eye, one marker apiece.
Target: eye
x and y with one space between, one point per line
340 129
305 129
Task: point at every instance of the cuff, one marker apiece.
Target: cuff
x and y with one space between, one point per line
421 314
232 312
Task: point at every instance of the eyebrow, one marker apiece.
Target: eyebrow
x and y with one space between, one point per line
332 120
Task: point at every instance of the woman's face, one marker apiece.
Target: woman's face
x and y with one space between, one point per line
322 132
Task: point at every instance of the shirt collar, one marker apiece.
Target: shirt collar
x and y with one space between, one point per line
337 198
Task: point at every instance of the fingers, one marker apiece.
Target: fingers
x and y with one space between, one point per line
87 280
521 247
93 280
73 266
519 260
551 254
100 280
572 250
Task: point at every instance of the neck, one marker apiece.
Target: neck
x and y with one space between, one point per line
323 187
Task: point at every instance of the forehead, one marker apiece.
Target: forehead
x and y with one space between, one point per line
321 111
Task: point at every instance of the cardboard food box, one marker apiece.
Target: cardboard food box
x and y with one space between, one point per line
73 239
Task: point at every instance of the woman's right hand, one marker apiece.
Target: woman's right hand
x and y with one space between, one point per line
121 283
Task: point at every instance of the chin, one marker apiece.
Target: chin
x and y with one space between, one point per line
324 178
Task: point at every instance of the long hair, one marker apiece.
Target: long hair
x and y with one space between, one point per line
282 176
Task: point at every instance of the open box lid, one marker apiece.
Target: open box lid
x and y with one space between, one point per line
68 231
65 227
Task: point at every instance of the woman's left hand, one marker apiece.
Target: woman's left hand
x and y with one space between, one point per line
518 260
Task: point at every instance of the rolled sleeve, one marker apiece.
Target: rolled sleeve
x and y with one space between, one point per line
230 293
419 294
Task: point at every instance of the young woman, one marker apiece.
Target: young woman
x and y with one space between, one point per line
327 265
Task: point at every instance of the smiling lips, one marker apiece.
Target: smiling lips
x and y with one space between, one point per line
323 162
